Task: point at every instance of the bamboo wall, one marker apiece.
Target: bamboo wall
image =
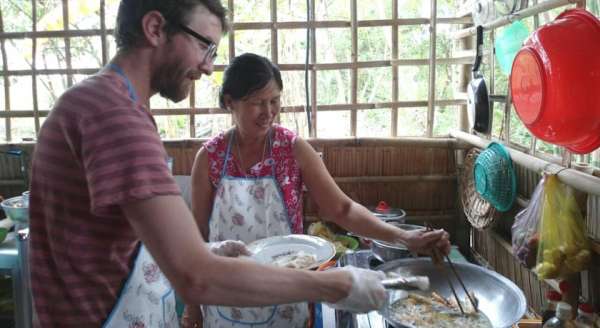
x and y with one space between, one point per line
417 175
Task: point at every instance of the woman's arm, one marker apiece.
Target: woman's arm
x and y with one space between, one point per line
337 207
202 192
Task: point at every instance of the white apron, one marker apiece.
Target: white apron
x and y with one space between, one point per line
147 299
249 209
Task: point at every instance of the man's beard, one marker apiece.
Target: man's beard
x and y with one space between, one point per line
169 82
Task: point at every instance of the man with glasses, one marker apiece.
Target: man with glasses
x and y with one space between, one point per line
111 236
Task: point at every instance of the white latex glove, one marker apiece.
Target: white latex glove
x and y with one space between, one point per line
229 248
367 292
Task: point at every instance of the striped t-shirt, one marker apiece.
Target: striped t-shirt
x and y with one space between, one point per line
98 149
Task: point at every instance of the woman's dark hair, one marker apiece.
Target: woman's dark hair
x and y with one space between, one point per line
128 31
246 74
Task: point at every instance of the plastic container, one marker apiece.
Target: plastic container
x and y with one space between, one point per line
585 316
25 196
562 318
508 43
15 209
555 80
552 298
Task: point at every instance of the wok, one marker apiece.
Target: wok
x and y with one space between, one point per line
499 298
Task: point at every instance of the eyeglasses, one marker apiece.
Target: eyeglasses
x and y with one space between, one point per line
211 47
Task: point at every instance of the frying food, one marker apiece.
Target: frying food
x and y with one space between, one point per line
295 260
421 311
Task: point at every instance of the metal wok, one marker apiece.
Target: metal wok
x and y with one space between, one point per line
499 298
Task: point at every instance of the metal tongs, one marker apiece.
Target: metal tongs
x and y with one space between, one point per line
406 283
437 260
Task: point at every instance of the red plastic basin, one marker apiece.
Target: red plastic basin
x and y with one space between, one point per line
555 82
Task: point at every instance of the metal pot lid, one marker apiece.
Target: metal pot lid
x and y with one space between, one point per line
384 211
403 226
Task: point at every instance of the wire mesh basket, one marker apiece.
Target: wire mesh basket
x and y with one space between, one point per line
478 211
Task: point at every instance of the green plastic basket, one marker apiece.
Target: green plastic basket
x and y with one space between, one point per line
495 178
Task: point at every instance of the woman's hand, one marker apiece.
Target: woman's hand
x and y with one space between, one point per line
424 242
192 317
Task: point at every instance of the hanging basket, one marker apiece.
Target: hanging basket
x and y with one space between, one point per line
495 177
480 213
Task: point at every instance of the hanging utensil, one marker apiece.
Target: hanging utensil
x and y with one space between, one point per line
478 104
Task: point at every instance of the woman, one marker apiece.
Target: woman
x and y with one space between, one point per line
247 185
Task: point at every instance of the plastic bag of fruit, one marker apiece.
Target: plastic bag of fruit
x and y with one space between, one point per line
564 248
525 236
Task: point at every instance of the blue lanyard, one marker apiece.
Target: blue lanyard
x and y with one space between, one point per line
130 88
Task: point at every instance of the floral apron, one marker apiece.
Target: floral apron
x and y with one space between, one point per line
248 209
147 299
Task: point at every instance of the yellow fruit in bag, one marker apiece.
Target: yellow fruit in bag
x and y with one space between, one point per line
569 250
546 270
564 247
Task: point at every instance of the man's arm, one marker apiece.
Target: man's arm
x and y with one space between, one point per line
168 230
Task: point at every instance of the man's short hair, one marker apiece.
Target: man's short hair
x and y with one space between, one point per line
128 31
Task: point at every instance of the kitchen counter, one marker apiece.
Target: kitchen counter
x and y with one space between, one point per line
11 264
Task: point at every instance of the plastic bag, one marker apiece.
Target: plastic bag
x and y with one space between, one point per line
564 248
525 237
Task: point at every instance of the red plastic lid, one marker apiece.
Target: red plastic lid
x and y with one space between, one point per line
586 307
553 295
527 85
564 286
382 207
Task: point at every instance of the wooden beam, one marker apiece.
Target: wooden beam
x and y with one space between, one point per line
508 19
576 179
396 178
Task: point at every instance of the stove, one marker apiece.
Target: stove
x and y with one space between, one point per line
343 319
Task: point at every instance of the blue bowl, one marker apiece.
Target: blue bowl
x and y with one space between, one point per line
16 209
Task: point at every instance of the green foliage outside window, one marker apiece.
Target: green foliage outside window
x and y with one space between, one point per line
333 45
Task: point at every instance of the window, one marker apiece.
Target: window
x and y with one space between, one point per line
369 61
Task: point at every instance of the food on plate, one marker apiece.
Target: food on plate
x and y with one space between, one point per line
421 311
320 229
340 242
294 260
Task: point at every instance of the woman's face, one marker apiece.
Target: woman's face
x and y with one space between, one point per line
255 113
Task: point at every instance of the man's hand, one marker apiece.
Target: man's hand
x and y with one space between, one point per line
229 248
366 294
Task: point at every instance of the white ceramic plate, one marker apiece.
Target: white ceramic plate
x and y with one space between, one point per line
267 250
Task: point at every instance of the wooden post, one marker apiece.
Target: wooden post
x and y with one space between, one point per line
6 79
395 86
65 12
432 62
354 70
